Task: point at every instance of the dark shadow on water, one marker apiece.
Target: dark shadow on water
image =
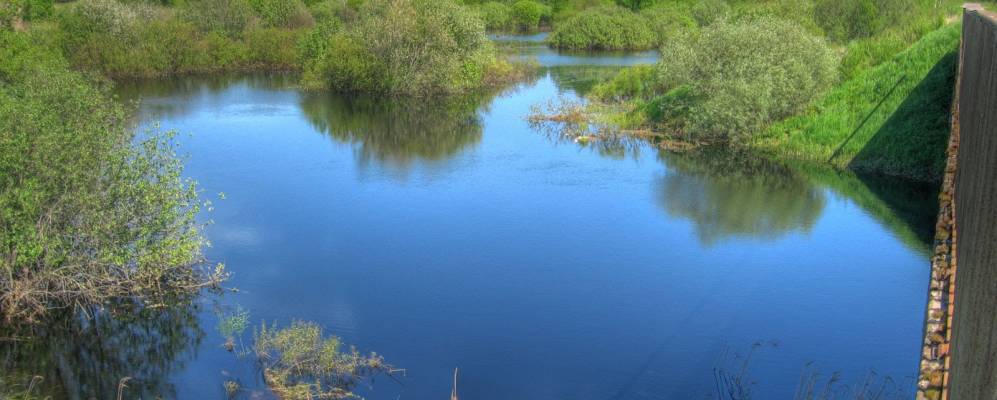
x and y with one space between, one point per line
915 203
906 208
81 358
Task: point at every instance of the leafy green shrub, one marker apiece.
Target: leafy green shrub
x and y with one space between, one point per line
706 12
86 216
844 20
631 83
527 14
496 15
88 17
744 75
604 28
412 47
328 10
271 48
636 5
667 19
797 11
37 9
9 11
283 13
229 17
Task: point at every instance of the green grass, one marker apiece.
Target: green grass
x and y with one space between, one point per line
891 119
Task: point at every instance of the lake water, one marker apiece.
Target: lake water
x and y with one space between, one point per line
454 234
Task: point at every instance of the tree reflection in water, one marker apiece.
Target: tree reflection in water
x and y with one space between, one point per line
82 358
397 132
728 194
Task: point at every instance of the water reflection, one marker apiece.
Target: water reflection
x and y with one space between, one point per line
396 132
580 79
727 194
84 358
179 96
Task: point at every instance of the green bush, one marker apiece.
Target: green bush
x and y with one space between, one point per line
636 5
745 75
411 47
604 28
527 14
844 20
9 11
88 17
797 11
37 9
496 15
637 82
282 13
86 216
706 12
229 17
668 19
271 49
328 10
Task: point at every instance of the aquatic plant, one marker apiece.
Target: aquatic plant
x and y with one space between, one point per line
231 326
300 362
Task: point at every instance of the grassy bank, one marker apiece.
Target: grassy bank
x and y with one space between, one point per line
845 84
892 119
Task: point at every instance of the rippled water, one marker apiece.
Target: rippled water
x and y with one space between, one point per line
452 234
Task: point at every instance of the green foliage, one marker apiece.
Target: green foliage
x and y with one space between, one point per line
668 20
636 5
706 12
868 52
9 12
605 28
85 216
410 47
496 15
104 17
906 101
744 75
136 40
283 13
229 17
843 20
37 9
630 83
301 363
527 14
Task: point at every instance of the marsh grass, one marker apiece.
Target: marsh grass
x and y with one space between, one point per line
301 362
733 381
